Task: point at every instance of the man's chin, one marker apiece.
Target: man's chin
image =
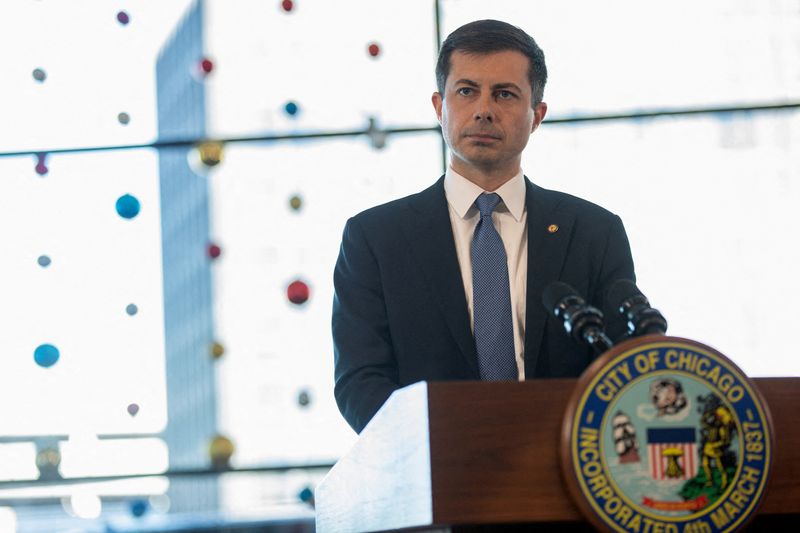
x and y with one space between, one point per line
482 159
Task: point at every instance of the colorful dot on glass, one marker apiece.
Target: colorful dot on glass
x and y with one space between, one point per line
46 355
39 75
221 450
298 292
374 50
47 462
124 118
304 398
206 66
133 409
210 153
287 5
131 309
160 503
128 206
291 108
138 508
217 350
296 202
377 136
44 261
306 495
123 18
214 251
41 164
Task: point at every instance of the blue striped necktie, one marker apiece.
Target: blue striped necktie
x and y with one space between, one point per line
491 298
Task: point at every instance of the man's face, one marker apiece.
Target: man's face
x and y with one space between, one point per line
486 112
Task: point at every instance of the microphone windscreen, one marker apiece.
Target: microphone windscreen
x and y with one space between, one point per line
554 293
621 290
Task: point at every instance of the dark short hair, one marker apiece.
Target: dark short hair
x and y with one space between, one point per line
488 36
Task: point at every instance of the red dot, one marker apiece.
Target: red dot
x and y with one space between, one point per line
298 292
206 66
374 50
214 251
287 5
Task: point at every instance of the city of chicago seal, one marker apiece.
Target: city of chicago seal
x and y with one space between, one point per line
664 434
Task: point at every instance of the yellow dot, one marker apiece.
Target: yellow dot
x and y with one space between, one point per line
295 202
210 153
552 228
221 449
217 350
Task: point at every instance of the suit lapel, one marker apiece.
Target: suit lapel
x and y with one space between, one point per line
430 235
549 232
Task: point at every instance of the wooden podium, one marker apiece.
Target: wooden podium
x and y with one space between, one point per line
474 456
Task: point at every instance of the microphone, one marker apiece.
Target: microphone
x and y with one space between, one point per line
581 321
634 307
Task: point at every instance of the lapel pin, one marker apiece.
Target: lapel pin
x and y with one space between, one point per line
552 228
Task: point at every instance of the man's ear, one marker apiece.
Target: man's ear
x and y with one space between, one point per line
436 100
539 111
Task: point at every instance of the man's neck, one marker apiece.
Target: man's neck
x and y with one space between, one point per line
488 181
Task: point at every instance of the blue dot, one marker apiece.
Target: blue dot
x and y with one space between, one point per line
128 206
43 261
291 108
306 495
46 355
138 508
131 309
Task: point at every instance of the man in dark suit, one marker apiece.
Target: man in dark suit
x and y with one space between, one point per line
447 284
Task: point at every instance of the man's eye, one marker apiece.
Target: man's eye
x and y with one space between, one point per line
505 94
464 91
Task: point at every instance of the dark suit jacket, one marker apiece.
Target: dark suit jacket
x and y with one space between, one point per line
399 310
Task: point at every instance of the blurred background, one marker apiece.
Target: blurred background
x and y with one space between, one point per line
175 177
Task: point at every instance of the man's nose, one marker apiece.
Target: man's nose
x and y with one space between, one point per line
484 110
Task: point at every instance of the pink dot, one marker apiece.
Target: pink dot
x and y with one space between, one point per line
287 5
41 165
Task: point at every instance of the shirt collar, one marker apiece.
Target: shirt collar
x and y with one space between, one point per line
462 193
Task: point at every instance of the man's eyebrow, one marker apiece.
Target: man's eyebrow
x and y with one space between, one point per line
507 85
496 86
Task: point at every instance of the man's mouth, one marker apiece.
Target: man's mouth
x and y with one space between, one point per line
485 137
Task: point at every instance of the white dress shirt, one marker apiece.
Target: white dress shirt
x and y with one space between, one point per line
510 220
